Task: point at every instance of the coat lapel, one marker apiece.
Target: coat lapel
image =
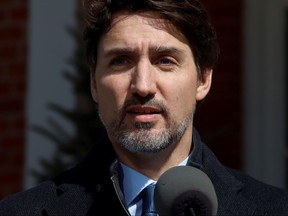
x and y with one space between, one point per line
228 188
230 199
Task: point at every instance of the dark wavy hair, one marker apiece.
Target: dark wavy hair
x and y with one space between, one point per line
187 16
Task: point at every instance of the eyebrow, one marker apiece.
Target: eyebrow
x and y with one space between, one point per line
118 51
152 50
166 50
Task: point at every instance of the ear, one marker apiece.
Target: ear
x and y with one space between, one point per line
93 86
204 84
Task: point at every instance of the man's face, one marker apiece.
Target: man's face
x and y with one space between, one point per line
146 84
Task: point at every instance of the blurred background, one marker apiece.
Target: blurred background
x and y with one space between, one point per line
47 120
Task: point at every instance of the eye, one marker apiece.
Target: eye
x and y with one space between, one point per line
166 61
119 61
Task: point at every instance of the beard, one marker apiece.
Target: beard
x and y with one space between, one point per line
143 138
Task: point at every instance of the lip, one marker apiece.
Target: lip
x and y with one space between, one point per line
142 113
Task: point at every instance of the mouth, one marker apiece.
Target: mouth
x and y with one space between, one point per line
141 113
143 110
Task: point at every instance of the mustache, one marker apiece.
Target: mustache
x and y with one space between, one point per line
153 102
143 101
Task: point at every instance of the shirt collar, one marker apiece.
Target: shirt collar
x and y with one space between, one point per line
134 182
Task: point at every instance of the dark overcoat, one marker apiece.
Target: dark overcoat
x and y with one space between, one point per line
92 188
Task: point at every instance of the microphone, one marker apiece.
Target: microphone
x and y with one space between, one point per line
185 191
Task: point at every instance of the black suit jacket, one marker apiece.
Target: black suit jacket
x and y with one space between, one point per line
87 189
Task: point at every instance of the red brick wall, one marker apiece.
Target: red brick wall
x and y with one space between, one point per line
219 118
13 72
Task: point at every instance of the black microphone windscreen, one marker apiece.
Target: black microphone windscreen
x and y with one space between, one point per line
185 190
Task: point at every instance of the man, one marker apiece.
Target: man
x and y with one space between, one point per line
150 62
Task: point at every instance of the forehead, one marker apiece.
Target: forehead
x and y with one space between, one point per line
148 25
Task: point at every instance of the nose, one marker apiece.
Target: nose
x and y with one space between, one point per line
144 79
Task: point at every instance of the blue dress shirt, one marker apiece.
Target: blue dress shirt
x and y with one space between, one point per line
133 183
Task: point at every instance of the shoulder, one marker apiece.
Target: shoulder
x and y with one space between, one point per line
255 197
239 192
48 198
263 192
20 203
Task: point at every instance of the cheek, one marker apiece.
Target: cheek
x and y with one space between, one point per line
181 96
182 87
111 94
